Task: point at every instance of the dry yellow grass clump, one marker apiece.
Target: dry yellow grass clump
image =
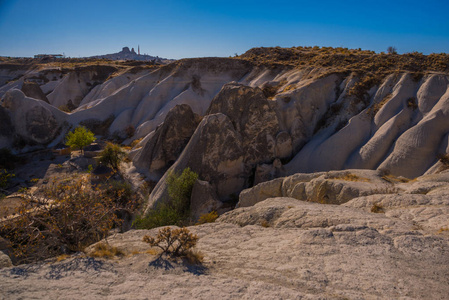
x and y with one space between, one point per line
351 177
377 208
377 106
207 218
442 230
395 179
106 251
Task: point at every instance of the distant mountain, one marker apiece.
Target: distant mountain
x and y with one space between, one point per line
127 54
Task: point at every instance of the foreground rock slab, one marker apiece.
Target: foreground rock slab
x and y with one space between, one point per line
281 248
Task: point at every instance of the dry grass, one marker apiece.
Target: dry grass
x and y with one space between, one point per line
265 224
351 177
150 251
105 69
62 257
377 106
344 59
207 218
153 251
365 83
106 251
289 87
395 179
377 208
411 103
173 242
443 229
135 142
195 257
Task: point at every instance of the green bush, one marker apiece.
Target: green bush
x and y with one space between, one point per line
162 215
112 156
4 177
80 138
176 210
180 188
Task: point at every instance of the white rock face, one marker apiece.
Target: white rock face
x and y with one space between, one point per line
5 261
404 137
109 87
238 133
215 152
76 85
33 120
163 147
314 123
334 187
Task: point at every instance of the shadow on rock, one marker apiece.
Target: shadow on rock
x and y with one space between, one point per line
161 263
79 264
176 265
22 271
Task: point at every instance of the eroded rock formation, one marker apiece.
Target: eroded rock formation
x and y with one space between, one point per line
166 143
285 120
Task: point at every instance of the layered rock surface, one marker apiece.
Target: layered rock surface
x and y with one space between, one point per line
281 248
339 187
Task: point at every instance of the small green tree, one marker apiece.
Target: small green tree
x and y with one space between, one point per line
112 156
176 210
180 188
80 138
4 177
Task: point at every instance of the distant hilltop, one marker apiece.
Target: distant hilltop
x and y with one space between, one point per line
127 54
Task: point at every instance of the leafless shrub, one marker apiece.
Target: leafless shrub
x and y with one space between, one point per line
63 218
392 50
174 242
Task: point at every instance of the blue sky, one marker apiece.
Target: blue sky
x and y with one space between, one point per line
178 29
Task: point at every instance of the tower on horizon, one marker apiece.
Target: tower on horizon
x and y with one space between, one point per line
138 49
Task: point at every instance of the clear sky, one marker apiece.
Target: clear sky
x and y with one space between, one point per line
196 28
